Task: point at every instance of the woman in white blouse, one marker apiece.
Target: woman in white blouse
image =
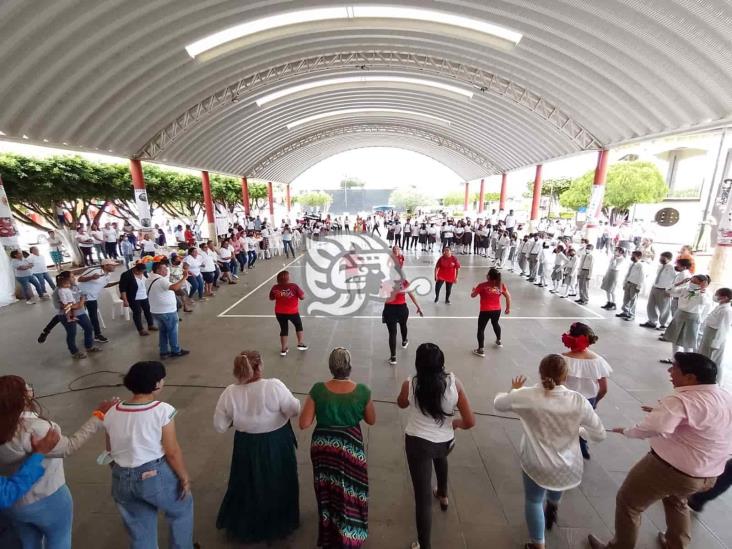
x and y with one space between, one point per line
552 416
261 501
45 512
587 372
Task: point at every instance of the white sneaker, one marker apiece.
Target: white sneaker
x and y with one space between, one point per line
30 302
405 344
284 353
415 545
392 361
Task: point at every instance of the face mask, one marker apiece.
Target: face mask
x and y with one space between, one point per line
693 287
716 299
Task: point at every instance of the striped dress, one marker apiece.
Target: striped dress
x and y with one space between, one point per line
340 474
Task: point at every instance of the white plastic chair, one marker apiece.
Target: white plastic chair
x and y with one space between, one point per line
118 308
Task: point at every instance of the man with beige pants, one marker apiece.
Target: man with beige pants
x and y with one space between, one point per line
691 441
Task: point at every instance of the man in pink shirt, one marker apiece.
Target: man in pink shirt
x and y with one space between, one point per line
691 440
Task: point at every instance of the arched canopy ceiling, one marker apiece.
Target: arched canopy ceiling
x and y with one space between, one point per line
563 76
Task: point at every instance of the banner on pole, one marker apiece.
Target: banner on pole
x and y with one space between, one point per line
595 206
8 230
143 208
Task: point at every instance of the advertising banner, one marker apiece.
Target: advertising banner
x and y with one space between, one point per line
143 208
8 230
595 206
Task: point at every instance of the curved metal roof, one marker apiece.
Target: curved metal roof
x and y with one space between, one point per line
115 75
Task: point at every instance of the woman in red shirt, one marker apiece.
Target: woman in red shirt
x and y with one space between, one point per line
446 272
286 296
396 312
490 293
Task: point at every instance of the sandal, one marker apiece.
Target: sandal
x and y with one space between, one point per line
443 500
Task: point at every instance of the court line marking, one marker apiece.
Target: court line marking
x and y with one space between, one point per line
236 303
503 317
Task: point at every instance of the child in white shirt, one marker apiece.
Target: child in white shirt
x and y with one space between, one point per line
716 328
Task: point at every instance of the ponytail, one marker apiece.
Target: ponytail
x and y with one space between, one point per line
553 371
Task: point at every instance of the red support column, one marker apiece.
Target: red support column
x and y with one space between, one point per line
481 197
504 189
287 197
598 189
536 197
270 200
467 191
245 195
141 201
208 206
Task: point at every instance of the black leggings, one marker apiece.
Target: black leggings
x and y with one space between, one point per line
422 455
392 327
448 289
140 306
483 319
284 326
87 256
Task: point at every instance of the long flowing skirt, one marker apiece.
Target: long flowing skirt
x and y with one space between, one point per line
262 499
341 484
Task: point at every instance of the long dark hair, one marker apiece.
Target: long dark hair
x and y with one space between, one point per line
14 400
430 382
494 276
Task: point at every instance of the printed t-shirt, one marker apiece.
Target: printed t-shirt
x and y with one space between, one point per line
286 298
490 296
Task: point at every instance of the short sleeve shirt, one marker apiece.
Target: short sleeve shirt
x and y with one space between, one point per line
447 268
339 409
286 297
490 296
136 431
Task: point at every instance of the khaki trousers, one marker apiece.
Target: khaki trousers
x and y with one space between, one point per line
647 482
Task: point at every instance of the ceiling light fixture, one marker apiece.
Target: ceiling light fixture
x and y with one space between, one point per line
385 113
346 80
399 18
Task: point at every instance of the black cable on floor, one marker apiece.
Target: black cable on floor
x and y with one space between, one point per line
70 389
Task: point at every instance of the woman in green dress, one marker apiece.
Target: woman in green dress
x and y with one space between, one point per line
340 475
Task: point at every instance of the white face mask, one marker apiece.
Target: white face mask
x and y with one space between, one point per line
716 299
693 287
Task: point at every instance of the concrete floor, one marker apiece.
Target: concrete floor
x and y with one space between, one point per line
486 501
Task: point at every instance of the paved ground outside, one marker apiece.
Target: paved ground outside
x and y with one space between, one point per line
486 498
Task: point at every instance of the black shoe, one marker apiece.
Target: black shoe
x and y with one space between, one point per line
585 451
447 302
550 515
694 504
612 307
437 299
182 352
164 355
101 339
647 325
42 337
606 306
622 315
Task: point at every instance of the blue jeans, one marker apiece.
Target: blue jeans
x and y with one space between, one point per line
233 266
252 256
534 507
288 244
25 283
583 442
196 283
83 321
42 278
48 519
168 326
139 500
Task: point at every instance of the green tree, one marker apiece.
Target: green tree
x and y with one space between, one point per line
351 183
410 199
628 183
315 199
550 187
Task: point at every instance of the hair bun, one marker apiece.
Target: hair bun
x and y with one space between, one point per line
548 383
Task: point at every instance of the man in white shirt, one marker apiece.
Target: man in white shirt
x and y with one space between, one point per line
91 283
39 271
99 246
584 275
534 253
110 240
523 254
659 301
86 245
510 222
164 308
632 286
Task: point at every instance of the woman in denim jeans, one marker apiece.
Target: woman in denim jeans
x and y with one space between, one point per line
23 268
148 472
44 515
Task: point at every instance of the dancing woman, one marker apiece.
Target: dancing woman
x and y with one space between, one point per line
490 293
